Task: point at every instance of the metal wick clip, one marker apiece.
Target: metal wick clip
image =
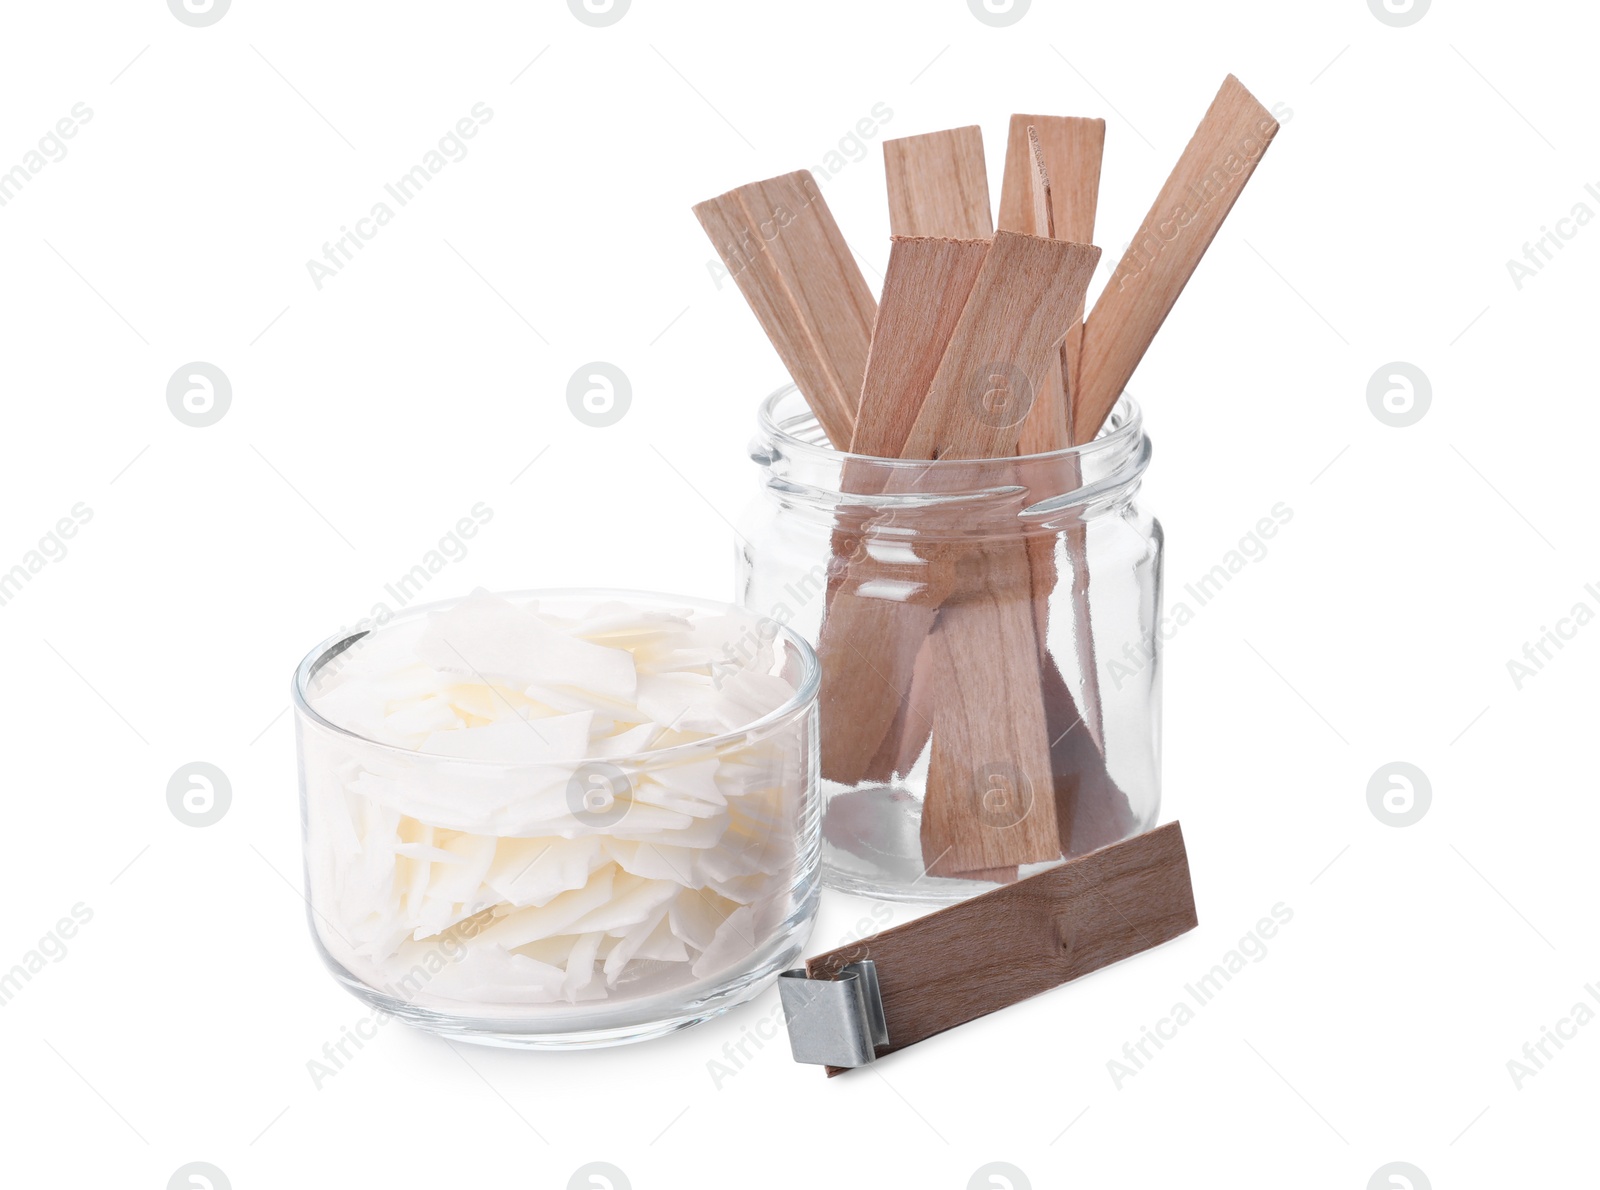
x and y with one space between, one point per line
834 1022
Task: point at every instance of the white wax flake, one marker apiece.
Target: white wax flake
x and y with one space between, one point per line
633 899
534 871
625 743
522 926
694 778
735 936
694 916
490 638
516 738
747 697
662 945
430 714
631 942
580 966
486 851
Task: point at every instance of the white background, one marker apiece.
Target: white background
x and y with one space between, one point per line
430 374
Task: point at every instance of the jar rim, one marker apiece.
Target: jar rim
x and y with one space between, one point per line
1123 427
805 691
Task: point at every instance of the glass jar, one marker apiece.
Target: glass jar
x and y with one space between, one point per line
988 633
514 893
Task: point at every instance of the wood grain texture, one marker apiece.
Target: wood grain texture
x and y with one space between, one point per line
868 649
1002 348
1041 214
783 249
1013 319
925 290
1064 204
989 730
1183 220
939 215
1047 427
1075 152
938 184
1072 148
868 652
990 798
912 727
1075 147
1005 946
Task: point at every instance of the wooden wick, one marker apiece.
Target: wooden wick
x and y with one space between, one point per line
1183 220
964 962
784 251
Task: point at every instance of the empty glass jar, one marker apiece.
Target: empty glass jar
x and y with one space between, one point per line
988 635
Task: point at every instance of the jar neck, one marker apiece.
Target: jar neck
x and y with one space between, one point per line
800 470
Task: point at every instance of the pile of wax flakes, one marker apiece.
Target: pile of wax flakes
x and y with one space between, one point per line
521 814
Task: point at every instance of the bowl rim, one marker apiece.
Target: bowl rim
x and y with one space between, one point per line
804 694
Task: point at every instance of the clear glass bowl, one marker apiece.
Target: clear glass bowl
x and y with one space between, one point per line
942 596
416 862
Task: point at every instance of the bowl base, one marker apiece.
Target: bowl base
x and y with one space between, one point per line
597 1024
